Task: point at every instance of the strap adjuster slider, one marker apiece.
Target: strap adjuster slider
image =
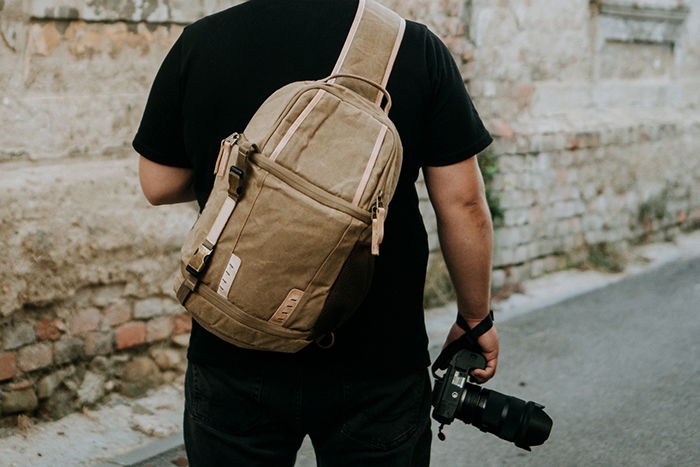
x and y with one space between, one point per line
198 260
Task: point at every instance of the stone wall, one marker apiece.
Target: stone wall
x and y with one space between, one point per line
85 305
594 106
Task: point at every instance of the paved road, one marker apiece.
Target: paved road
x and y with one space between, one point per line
619 372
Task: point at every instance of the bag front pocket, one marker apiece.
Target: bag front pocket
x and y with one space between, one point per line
284 242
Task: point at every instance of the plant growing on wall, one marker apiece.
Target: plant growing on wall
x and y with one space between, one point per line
488 164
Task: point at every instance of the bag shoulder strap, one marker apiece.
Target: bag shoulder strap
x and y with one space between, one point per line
370 49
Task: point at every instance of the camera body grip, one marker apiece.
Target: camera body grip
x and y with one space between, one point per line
449 390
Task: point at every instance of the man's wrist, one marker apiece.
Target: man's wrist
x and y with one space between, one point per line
469 324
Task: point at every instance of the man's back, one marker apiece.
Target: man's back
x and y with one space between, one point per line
367 398
219 72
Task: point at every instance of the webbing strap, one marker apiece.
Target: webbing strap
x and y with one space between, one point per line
370 48
200 257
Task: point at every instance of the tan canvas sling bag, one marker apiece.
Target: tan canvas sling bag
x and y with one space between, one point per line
283 251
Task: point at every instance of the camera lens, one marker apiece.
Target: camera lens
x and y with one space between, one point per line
509 418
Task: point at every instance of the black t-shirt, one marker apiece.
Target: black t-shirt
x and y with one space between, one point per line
220 71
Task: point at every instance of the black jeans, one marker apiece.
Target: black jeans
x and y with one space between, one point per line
253 416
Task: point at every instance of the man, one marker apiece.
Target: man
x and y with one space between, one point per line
367 398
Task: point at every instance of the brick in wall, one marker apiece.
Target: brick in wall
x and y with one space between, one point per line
130 334
8 365
49 329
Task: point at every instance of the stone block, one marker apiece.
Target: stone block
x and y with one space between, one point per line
8 365
83 321
18 334
105 295
116 314
98 343
159 328
92 388
47 385
503 256
181 340
130 334
151 307
68 349
139 375
183 324
167 359
34 357
18 385
49 329
23 400
498 279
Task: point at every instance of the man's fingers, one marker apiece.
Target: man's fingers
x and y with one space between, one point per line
481 376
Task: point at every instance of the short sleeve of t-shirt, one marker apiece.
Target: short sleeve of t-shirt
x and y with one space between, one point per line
160 137
454 129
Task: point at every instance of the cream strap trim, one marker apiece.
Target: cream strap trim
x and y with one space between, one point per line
370 166
220 221
297 123
351 36
392 59
229 275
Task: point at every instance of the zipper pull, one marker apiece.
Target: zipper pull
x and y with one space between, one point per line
378 218
224 154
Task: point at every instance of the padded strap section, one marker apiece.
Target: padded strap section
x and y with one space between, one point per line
371 48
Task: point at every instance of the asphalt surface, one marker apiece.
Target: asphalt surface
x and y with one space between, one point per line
618 370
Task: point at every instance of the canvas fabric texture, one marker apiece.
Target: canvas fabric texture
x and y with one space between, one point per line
283 251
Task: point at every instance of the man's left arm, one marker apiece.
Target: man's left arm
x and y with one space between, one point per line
165 171
466 239
164 184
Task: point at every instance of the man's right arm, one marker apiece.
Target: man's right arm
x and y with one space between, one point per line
466 237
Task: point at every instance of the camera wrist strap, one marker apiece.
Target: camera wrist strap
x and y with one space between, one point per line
466 341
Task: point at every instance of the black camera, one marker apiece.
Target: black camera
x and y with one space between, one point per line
512 419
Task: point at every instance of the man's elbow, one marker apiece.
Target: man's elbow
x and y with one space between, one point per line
155 200
155 196
474 212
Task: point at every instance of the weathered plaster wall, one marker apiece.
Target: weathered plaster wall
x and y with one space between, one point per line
595 108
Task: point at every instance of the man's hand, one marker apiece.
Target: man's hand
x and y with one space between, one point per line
489 349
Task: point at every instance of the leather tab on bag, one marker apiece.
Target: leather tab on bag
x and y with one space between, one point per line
287 307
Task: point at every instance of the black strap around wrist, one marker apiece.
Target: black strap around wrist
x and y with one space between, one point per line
479 329
467 341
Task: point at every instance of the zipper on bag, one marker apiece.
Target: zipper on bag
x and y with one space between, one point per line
378 219
224 154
